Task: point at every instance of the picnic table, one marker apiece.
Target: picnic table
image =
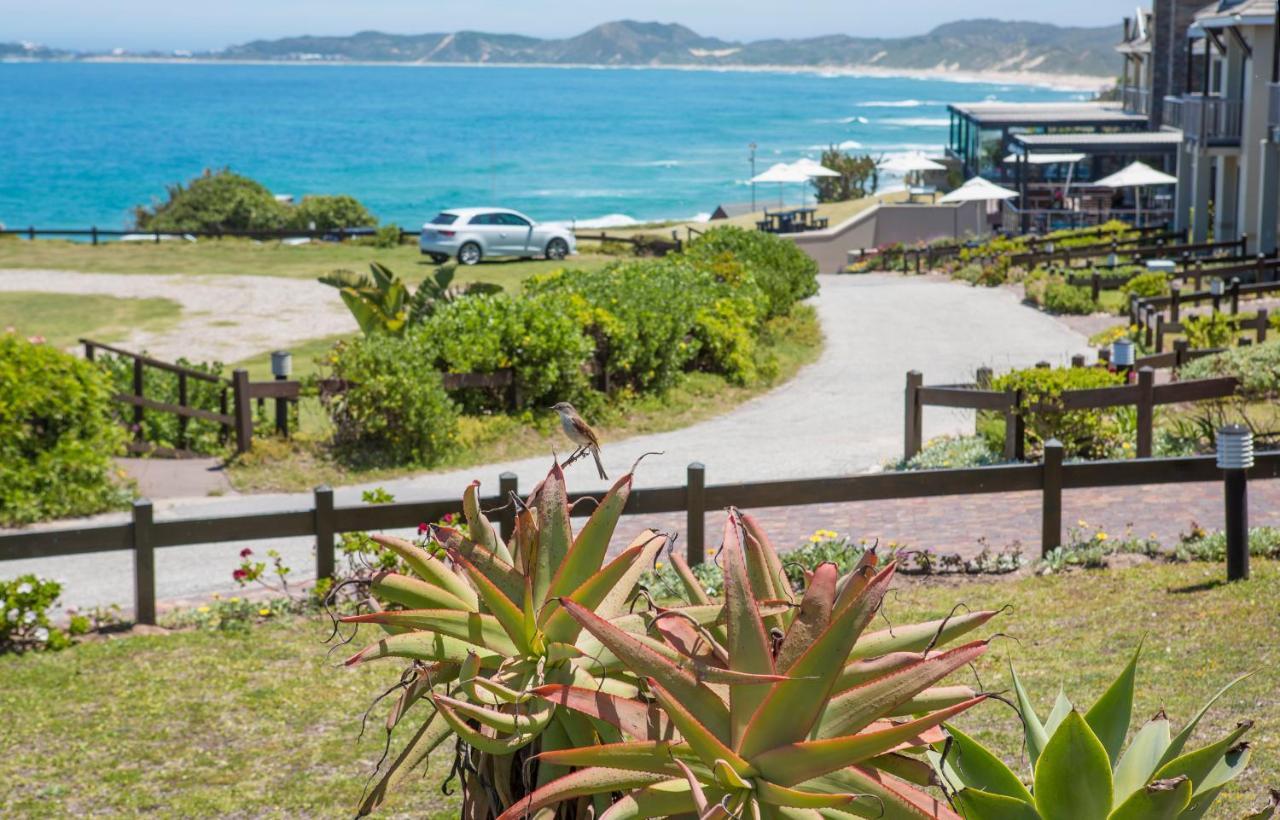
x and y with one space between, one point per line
794 220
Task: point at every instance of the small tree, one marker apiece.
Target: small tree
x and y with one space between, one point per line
214 201
859 176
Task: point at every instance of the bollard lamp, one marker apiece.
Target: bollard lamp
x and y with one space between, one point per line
1235 448
1216 286
1122 353
281 364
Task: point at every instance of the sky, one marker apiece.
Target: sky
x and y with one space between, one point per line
213 24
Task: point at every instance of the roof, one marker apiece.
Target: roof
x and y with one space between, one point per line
1064 113
1153 141
1226 13
732 209
1139 35
474 211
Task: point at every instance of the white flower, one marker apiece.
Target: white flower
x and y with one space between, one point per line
29 617
23 589
12 616
41 634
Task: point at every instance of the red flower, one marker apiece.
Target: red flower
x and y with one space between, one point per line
422 529
246 552
240 574
448 518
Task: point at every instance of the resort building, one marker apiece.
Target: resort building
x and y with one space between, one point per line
1229 113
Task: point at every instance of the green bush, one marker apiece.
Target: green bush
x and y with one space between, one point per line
947 452
57 435
784 273
1059 297
535 336
162 429
1146 285
1211 330
984 275
326 213
1083 433
395 409
1256 366
24 615
215 201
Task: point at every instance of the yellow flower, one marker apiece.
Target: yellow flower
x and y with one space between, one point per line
893 544
815 538
657 565
217 596
235 600
1082 523
1102 536
202 609
264 611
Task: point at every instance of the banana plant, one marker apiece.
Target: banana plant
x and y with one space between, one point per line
484 624
437 289
1081 769
377 302
782 708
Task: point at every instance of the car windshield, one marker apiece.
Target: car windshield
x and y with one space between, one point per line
444 219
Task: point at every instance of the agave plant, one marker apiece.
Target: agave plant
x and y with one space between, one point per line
781 708
485 624
1081 770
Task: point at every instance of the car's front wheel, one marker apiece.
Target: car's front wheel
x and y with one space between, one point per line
439 258
469 254
557 249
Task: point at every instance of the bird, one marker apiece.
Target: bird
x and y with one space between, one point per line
580 433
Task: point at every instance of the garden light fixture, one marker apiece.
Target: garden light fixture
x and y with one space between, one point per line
281 364
1122 353
1235 457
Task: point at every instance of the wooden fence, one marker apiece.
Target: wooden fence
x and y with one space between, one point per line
1260 268
97 235
1144 395
235 413
642 244
324 521
1159 316
1127 250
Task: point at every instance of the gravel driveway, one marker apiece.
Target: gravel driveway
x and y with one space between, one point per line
841 414
224 318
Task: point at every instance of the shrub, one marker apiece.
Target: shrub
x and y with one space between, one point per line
329 212
1256 366
1211 330
162 429
212 202
57 435
395 408
1146 285
951 452
536 336
24 623
784 273
1060 297
1083 433
986 275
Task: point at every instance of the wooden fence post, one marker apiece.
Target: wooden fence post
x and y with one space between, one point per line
1263 319
144 563
508 488
1077 360
244 410
1051 506
94 233
695 514
325 534
1095 285
1015 430
182 420
1235 295
1160 332
983 378
1175 302
1146 410
1180 348
137 391
912 435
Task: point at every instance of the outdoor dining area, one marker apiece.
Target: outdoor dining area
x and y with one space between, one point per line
793 220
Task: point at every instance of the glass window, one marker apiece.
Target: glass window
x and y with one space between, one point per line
484 219
512 219
444 219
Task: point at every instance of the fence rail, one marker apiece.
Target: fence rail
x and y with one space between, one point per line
324 521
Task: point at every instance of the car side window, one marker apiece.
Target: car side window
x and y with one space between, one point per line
512 219
482 219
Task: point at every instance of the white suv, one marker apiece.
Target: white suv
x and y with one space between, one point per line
473 234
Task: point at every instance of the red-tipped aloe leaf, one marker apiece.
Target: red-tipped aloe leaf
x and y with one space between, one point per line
905 767
480 740
523 720
748 645
428 567
643 661
885 797
689 640
557 624
422 646
917 637
481 528
592 543
797 762
812 618
642 721
501 574
793 707
856 673
667 799
582 783
473 627
414 593
853 710
776 795
554 532
654 756
503 607
692 587
701 739
764 568
618 599
433 731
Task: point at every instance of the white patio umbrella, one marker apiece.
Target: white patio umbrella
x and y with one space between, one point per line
1050 159
812 168
1137 175
781 173
976 190
907 164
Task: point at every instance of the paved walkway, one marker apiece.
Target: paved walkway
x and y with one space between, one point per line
841 415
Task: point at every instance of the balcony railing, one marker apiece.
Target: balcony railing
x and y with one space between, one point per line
1211 120
1136 99
1273 119
1172 112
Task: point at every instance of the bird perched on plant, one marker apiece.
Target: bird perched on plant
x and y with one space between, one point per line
580 433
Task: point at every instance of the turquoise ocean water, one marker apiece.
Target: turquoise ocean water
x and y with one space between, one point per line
82 143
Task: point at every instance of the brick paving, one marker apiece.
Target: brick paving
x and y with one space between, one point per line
956 523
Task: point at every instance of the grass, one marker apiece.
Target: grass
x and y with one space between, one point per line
246 257
306 461
62 319
201 724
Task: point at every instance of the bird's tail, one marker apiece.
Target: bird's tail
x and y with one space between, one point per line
595 453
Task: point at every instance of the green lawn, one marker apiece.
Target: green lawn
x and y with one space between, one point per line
306 462
63 318
199 724
245 257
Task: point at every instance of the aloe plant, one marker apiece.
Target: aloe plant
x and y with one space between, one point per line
485 623
1081 769
782 708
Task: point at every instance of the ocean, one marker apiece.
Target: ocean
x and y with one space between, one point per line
83 143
